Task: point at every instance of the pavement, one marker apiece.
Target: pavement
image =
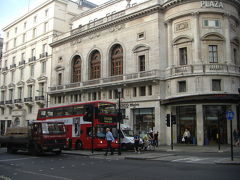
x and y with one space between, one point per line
180 153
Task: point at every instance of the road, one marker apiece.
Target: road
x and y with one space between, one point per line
72 167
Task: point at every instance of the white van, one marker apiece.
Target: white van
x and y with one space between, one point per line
127 137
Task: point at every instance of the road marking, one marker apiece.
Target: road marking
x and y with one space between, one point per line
183 159
190 159
197 159
40 174
5 178
19 159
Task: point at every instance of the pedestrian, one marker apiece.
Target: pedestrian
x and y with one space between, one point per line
235 137
145 142
136 143
156 139
186 136
151 137
110 139
238 138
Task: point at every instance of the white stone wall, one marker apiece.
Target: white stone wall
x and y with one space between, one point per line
57 15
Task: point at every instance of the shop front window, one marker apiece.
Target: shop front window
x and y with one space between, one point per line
144 120
215 124
186 120
2 127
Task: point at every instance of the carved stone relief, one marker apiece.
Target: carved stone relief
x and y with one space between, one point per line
182 26
76 41
117 28
95 35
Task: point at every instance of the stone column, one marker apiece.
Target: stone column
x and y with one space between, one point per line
169 40
165 132
227 39
196 41
158 121
200 125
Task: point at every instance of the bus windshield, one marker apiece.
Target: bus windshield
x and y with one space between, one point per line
53 128
101 130
107 108
128 133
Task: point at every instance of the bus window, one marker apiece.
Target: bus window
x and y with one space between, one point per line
78 110
89 131
107 108
41 114
89 113
58 112
67 111
49 113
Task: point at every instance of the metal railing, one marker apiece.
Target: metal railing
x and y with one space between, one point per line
141 75
9 102
39 98
17 100
28 99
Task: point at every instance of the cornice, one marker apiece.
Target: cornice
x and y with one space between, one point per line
11 86
173 3
35 10
20 83
42 78
106 25
98 8
197 13
30 81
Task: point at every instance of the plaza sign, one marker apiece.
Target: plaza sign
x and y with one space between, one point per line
211 4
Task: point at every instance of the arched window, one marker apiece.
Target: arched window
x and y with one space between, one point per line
95 65
213 44
117 60
183 49
76 69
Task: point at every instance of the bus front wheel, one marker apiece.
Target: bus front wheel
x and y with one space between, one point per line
79 145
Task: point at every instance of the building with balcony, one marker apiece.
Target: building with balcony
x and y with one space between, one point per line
26 63
176 57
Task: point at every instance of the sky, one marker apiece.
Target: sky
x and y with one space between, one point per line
13 9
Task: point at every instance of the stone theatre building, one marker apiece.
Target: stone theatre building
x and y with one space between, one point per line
178 57
25 68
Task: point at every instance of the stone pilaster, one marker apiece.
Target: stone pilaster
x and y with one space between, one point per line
197 43
200 125
227 28
169 41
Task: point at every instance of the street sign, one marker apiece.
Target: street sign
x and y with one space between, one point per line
230 115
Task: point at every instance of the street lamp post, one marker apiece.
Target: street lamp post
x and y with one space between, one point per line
119 90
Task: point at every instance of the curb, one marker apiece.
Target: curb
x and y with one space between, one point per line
228 163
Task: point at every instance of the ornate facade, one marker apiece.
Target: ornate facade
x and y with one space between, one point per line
177 57
26 63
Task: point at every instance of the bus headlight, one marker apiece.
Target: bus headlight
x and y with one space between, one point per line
101 142
116 142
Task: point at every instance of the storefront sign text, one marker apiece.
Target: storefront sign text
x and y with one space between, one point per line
211 4
127 105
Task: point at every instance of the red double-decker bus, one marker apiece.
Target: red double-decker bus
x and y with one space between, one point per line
81 119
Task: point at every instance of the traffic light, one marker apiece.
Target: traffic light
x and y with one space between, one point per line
168 120
120 116
88 115
173 119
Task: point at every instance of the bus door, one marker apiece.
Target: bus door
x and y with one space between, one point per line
88 136
76 127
